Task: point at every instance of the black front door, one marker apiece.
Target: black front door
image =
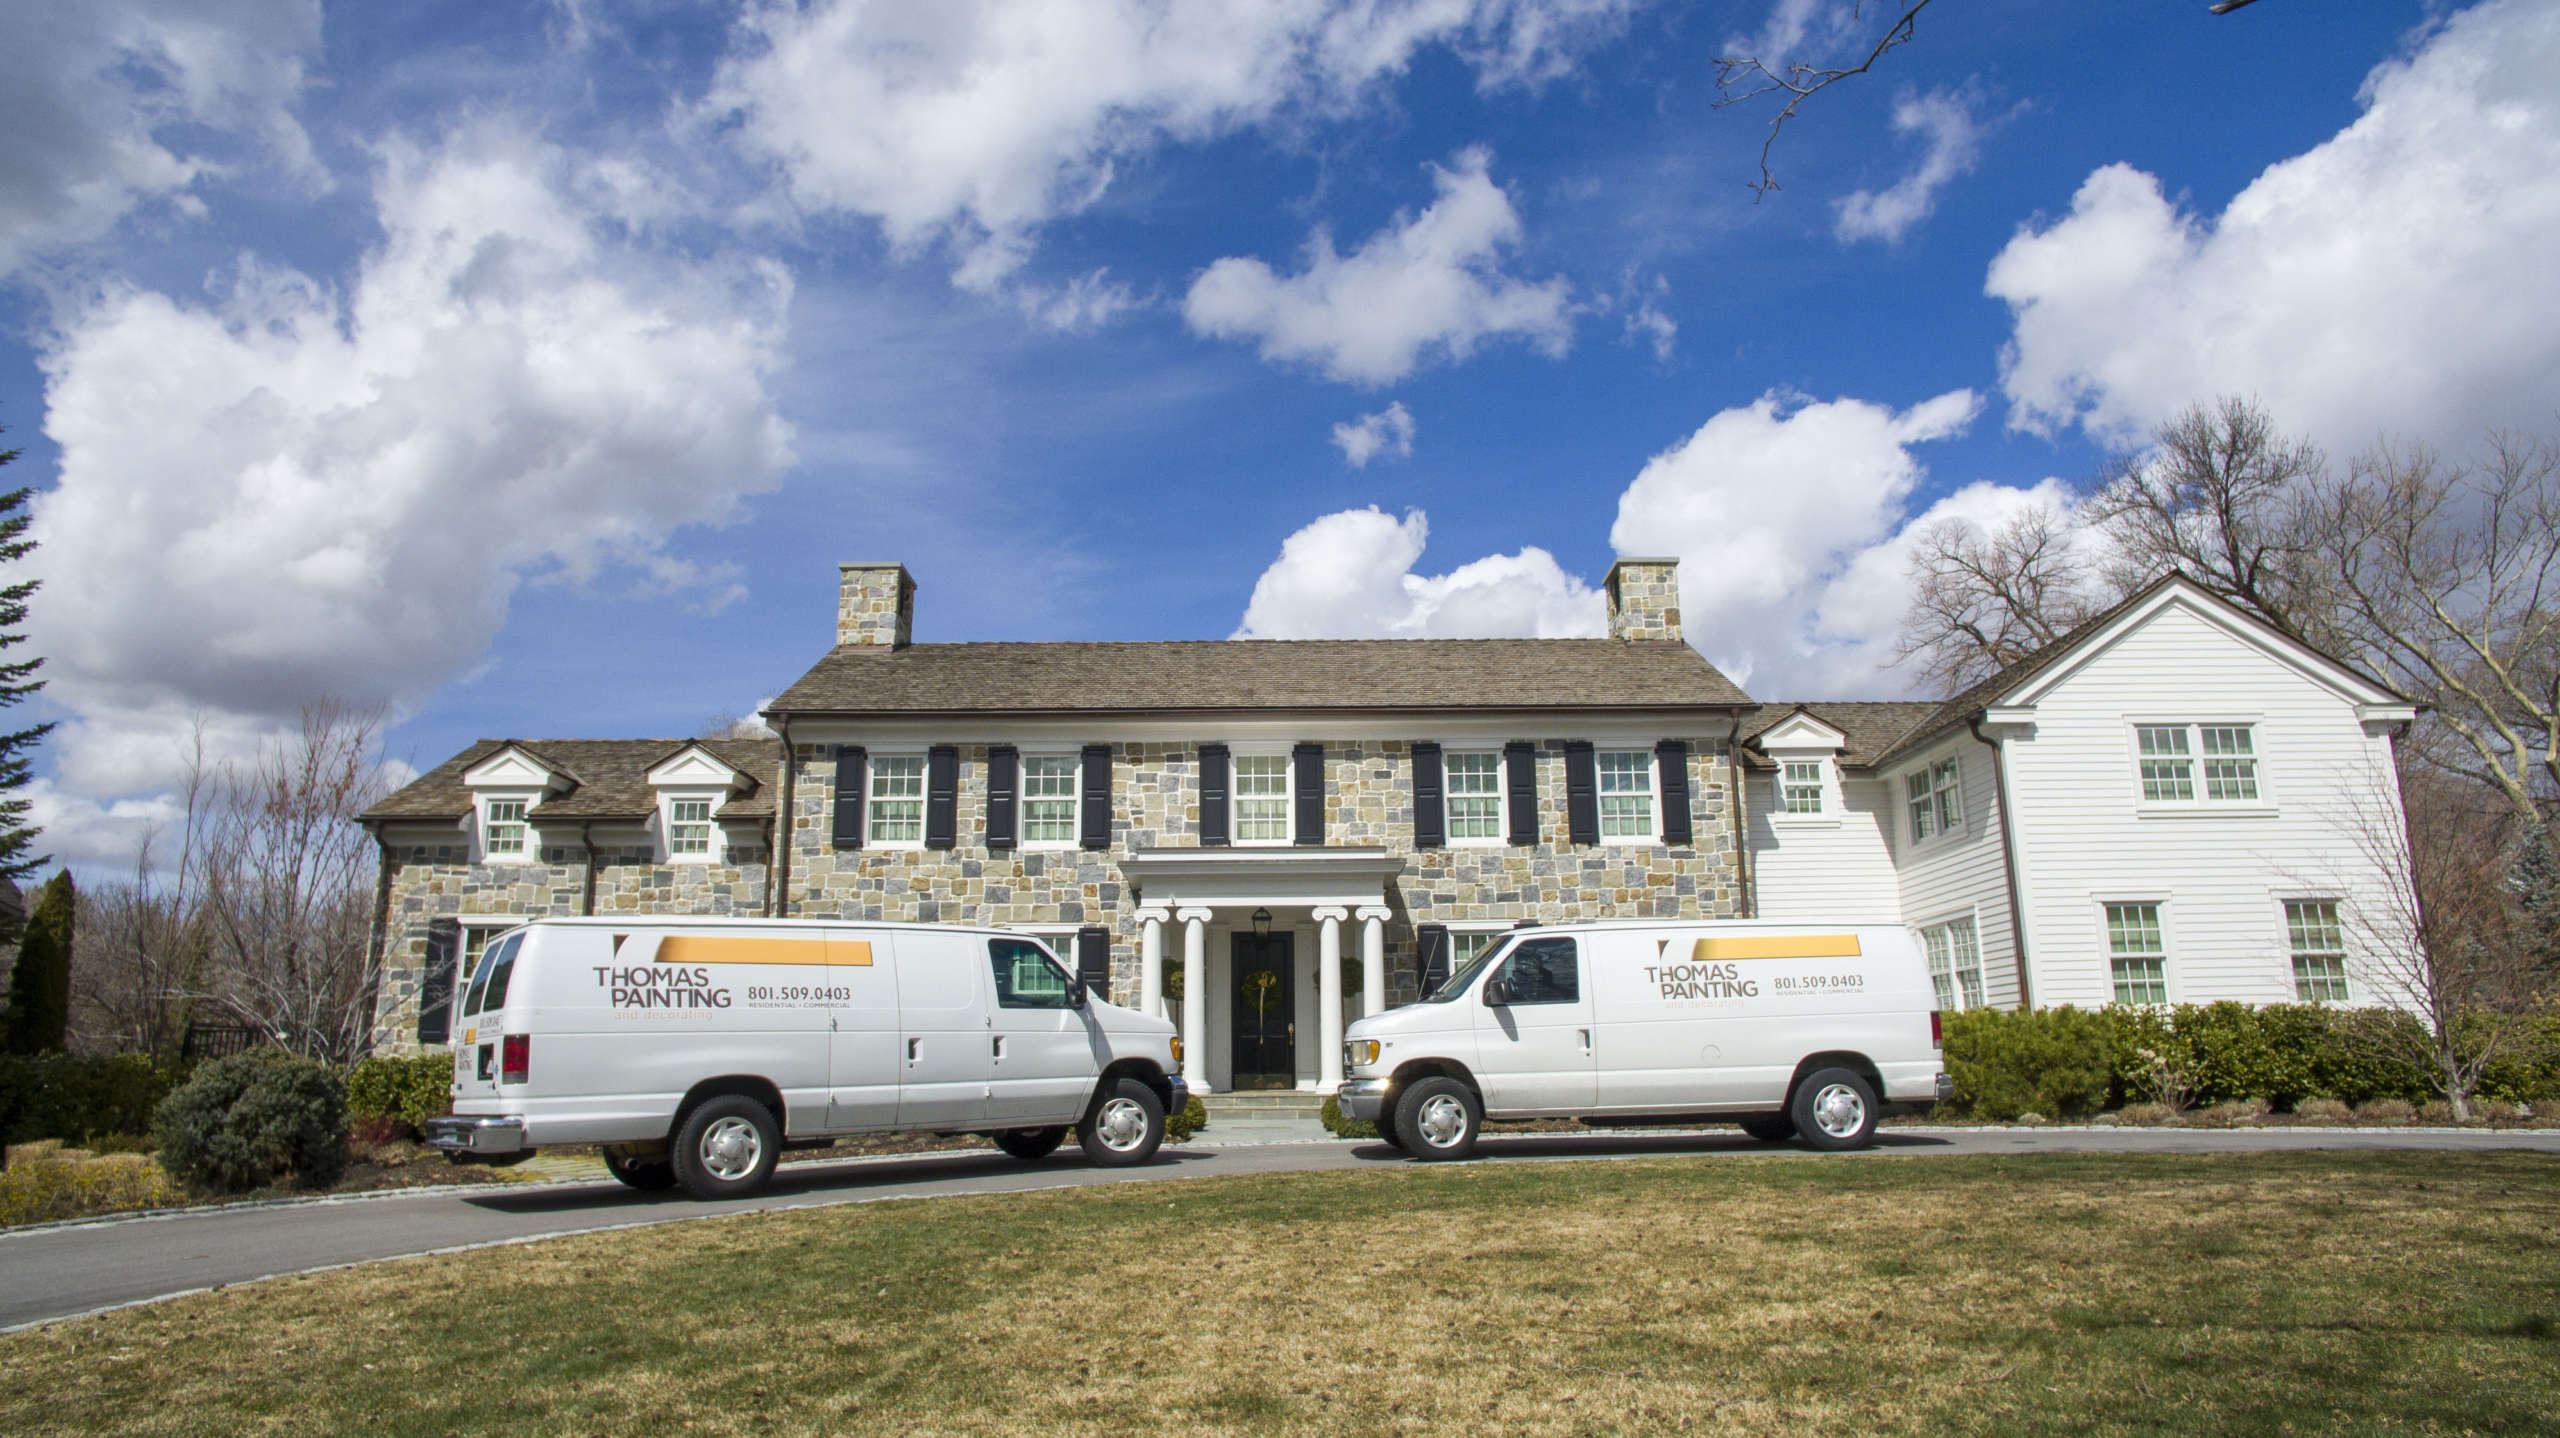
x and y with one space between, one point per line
1266 1014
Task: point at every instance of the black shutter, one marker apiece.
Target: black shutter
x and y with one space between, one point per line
1433 940
1430 807
1306 761
941 797
849 787
1004 781
1520 758
1097 796
1093 960
435 987
1581 792
1671 756
1213 796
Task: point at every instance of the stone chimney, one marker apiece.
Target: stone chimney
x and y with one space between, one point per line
875 607
1644 600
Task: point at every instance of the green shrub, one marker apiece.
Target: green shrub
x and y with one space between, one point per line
407 1091
1179 1127
1340 1127
2047 1061
58 1095
255 1119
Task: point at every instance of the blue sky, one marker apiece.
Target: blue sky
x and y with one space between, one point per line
528 368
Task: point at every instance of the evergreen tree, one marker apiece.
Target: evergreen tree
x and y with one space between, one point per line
17 681
40 986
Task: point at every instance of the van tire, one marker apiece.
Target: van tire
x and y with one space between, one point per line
1834 1109
648 1175
1125 1125
726 1147
1770 1127
1031 1144
1386 1126
1439 1106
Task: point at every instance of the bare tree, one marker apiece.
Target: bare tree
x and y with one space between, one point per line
139 960
1982 600
1744 78
2217 497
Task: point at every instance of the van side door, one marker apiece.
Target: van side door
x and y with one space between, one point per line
944 1054
1534 1050
1042 1045
864 1069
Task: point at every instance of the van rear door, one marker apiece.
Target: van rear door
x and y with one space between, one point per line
475 1024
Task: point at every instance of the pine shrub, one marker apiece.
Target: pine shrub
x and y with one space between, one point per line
254 1120
72 1098
405 1091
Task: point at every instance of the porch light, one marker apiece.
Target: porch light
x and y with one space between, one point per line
1262 923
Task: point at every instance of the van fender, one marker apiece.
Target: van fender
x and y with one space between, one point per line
1414 1071
1144 1071
751 1086
1854 1062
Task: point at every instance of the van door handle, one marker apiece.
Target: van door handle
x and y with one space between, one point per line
1586 1040
915 1050
999 1048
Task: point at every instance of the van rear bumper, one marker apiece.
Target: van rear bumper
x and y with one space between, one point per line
457 1136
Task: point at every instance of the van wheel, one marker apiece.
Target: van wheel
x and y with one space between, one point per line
1386 1125
1834 1109
1028 1144
1439 1118
1125 1125
1770 1127
649 1175
726 1147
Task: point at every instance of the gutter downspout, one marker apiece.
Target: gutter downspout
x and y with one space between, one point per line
1746 877
587 886
779 902
2008 855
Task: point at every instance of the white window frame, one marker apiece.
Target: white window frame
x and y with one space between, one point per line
2200 801
1942 936
1934 799
1236 758
714 846
871 772
1022 798
529 851
466 957
1602 749
1789 786
1501 834
1488 933
2167 954
2295 954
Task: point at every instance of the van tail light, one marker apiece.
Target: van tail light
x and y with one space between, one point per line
516 1058
1937 1031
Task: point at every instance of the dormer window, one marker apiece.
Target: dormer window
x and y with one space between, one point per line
689 828
504 834
1800 786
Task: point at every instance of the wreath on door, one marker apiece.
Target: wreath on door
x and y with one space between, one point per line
1257 988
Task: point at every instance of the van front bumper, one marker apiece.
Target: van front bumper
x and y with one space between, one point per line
1361 1099
468 1138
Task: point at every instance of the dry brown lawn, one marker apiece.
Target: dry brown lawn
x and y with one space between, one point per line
2337 1292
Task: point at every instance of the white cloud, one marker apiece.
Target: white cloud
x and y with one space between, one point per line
1945 122
982 120
1350 575
1428 283
1765 505
2398 277
113 103
338 492
1796 32
1389 432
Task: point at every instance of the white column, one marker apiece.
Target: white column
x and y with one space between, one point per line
1329 998
1373 960
1195 998
1151 961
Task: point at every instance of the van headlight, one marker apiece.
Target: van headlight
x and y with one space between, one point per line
1360 1052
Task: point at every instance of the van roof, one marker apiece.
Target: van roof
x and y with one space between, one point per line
1772 925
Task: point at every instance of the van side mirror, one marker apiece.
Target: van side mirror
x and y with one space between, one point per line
1075 991
1497 992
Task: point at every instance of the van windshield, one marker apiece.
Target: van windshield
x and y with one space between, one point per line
1457 983
489 986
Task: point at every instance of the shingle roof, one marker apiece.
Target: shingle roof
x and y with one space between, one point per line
1250 674
1869 726
610 778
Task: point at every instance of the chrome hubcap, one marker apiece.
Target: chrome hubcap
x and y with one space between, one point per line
731 1148
1839 1111
1122 1125
1443 1120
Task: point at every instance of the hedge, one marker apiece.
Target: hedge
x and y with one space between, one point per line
2069 1063
405 1091
59 1095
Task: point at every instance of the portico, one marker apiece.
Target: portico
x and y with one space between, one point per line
1285 905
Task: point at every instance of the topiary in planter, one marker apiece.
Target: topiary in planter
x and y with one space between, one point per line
253 1120
1194 1117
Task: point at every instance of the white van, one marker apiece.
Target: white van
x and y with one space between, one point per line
1786 1029
696 1050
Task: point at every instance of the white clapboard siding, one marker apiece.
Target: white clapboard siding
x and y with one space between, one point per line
2221 878
1835 868
1963 873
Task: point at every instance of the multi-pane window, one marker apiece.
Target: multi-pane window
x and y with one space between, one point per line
1049 799
503 831
2135 952
1626 794
2168 766
1262 798
1800 786
1934 798
689 827
1465 949
2230 763
896 810
475 942
1474 795
2172 754
2319 950
1955 964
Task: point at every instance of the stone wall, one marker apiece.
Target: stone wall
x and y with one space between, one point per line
1644 600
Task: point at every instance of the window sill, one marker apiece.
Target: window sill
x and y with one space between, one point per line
1631 841
2204 811
1803 821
